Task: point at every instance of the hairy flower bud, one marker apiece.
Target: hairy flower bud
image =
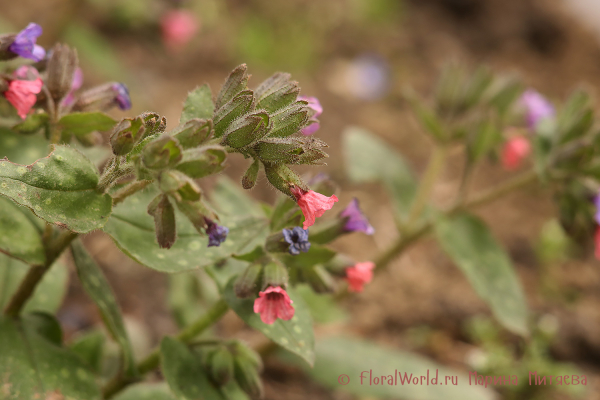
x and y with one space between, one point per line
61 70
164 221
126 134
283 178
275 274
247 130
292 150
290 120
221 366
154 123
179 185
193 132
246 284
104 97
251 175
233 109
202 161
277 92
162 153
234 84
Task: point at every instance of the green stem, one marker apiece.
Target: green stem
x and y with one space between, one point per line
128 190
152 361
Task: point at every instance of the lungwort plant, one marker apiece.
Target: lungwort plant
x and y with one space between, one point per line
269 263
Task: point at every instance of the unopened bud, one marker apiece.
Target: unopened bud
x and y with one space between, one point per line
202 161
319 279
126 134
275 274
162 153
251 175
164 221
247 283
290 120
241 351
179 184
193 132
5 41
291 150
196 212
282 178
104 97
235 83
221 366
61 69
247 130
279 97
247 377
154 123
235 108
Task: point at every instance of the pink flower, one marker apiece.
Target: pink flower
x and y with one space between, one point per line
313 125
358 275
312 204
273 303
514 151
22 93
178 28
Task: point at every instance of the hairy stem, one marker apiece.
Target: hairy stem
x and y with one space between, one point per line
128 190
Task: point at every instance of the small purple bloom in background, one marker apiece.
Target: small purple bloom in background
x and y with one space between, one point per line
216 233
368 77
75 85
597 203
314 125
537 108
122 96
24 44
357 221
298 240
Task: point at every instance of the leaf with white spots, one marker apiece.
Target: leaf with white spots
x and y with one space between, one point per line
48 294
60 189
132 229
21 237
97 287
467 240
34 367
295 335
147 391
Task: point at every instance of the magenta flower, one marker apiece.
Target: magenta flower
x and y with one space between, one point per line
358 275
216 233
75 85
312 204
122 96
537 108
178 28
356 221
274 303
24 44
515 150
314 124
22 93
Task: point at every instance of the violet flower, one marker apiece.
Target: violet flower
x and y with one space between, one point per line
216 233
122 96
314 124
368 77
537 108
24 44
356 220
298 240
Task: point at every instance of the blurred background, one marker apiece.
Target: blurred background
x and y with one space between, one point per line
357 56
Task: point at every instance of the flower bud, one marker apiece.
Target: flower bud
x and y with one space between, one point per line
235 108
234 84
202 161
104 97
247 378
282 178
294 150
279 97
319 279
275 274
246 284
6 41
242 351
61 70
179 184
251 175
196 212
162 153
221 366
193 132
126 134
154 123
290 120
247 130
164 221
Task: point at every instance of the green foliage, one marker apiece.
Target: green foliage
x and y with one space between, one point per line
90 348
80 124
198 104
22 149
25 240
147 391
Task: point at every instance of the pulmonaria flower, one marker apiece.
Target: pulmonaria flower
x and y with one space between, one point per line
121 96
24 44
298 240
537 108
314 125
358 275
368 77
515 150
178 28
216 233
312 204
356 220
22 93
273 303
75 85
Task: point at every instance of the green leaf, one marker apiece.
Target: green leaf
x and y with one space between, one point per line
323 307
488 268
60 189
132 229
21 237
34 367
198 104
184 372
22 149
338 356
97 287
90 348
316 255
232 201
295 335
82 123
33 123
369 159
46 325
48 294
147 391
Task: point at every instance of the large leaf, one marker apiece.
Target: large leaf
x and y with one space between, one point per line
80 124
33 367
233 201
147 391
341 360
60 189
369 159
22 149
132 229
48 294
198 104
20 237
97 287
295 335
488 268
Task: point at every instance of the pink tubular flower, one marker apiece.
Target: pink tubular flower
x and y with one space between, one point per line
314 125
514 151
358 275
273 303
22 93
312 204
178 28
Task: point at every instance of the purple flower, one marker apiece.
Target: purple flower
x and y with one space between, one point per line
24 44
75 85
368 77
216 233
122 96
597 203
356 220
314 125
298 240
537 108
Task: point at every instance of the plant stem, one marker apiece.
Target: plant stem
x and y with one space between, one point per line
153 359
128 190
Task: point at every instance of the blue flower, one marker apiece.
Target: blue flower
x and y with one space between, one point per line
24 44
356 220
122 96
216 233
298 240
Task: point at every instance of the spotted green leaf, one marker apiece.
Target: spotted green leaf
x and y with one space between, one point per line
21 237
33 367
97 287
467 240
231 200
82 123
147 391
60 189
198 104
295 335
132 229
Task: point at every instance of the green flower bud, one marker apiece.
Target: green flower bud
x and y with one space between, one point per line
319 279
126 134
246 284
164 221
154 123
246 375
221 366
202 161
290 120
247 130
238 106
234 84
179 185
193 132
291 150
196 212
241 351
251 175
277 92
162 153
282 178
61 68
275 274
